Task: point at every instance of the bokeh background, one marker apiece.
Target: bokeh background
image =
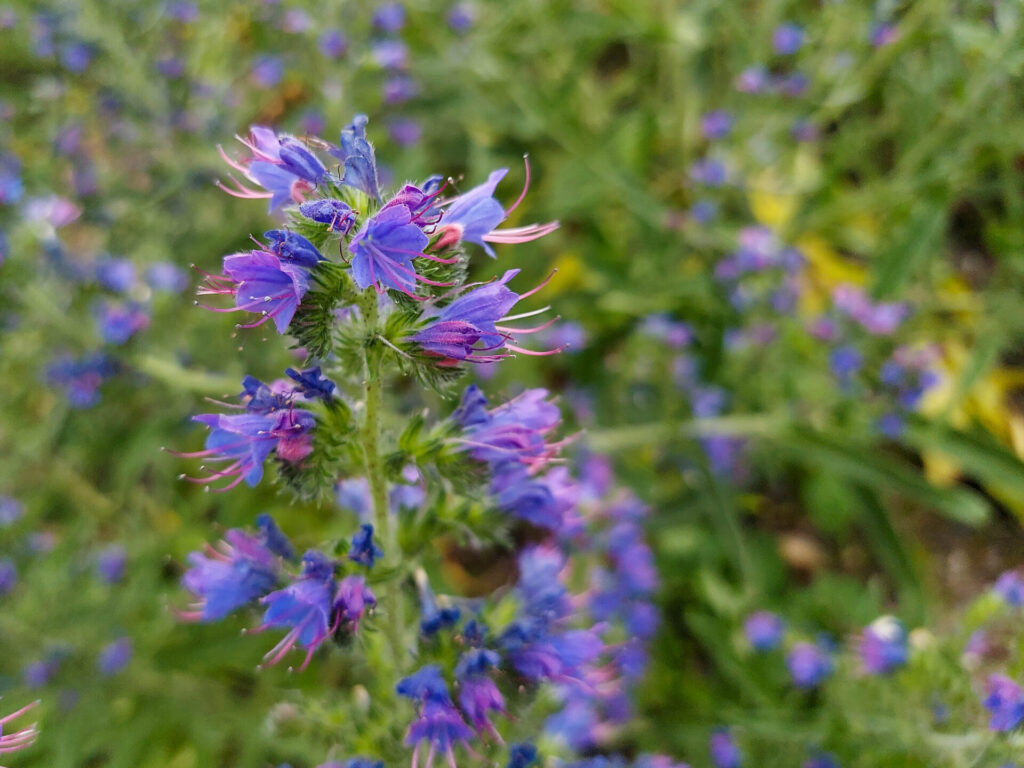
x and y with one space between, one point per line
790 271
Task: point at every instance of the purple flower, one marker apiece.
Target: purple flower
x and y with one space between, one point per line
352 600
383 251
335 213
267 71
245 440
521 755
709 172
845 362
478 695
473 217
724 751
11 511
454 331
280 164
110 563
881 34
304 608
12 742
81 378
808 665
166 277
405 132
891 425
883 646
716 125
116 274
311 384
1005 700
752 80
399 89
511 432
821 760
182 10
237 571
39 673
77 56
787 39
437 721
704 211
461 17
363 550
119 322
261 282
764 630
297 21
333 43
273 538
434 618
389 17
8 576
114 657
391 54
1010 587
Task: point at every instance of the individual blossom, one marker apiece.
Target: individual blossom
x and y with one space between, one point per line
521 755
11 511
119 322
764 630
808 665
115 657
787 39
110 563
883 646
474 216
8 575
434 617
724 751
384 249
461 17
437 722
333 43
1010 587
351 602
238 571
267 71
821 760
280 164
467 329
389 17
17 740
270 283
356 153
478 694
363 550
716 125
1005 700
515 431
304 608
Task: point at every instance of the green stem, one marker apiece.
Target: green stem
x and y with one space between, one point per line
373 389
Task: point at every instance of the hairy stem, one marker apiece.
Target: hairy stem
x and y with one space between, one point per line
373 390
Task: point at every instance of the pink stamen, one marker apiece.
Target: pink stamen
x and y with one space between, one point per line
526 186
521 234
539 287
532 353
535 329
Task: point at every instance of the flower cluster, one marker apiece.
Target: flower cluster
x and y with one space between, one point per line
371 283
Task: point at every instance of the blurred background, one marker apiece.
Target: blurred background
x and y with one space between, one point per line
789 270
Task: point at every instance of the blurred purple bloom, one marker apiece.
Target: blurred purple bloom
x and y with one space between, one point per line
1010 587
111 562
237 571
764 630
752 80
461 17
883 646
8 575
11 511
166 277
881 34
119 322
115 657
704 211
808 665
724 751
399 89
267 71
405 132
389 17
333 43
710 172
116 274
716 125
1005 700
787 39
390 54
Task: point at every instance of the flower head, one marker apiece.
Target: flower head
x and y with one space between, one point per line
438 722
304 608
239 570
724 751
363 550
383 251
764 630
808 664
883 646
475 215
280 164
1005 700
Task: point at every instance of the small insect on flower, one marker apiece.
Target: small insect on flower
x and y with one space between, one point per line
17 740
